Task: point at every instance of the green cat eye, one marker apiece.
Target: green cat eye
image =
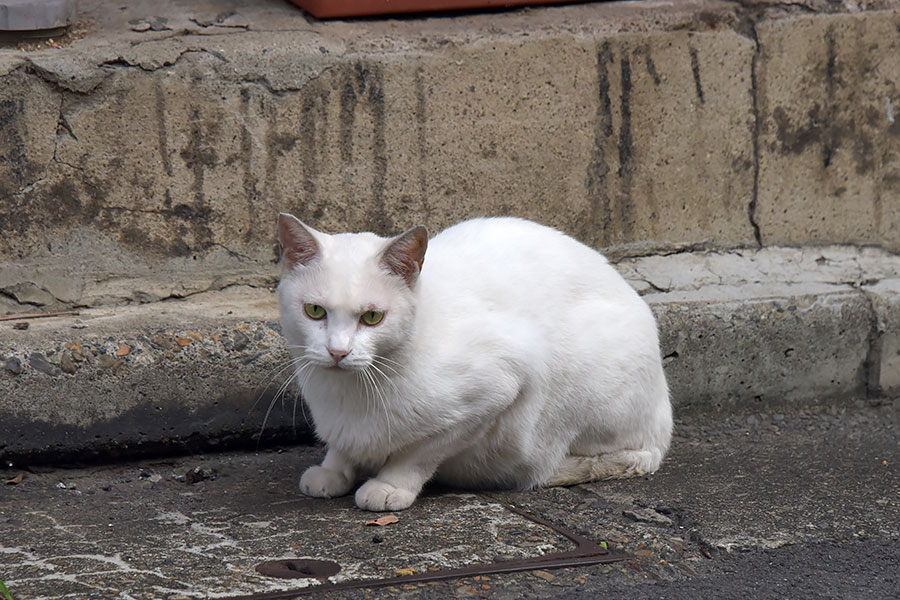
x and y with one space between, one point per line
314 311
372 317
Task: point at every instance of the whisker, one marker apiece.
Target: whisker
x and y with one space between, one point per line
384 376
300 373
380 397
379 361
388 360
273 373
279 394
360 380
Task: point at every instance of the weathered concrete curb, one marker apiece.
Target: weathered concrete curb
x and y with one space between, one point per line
134 380
777 326
771 330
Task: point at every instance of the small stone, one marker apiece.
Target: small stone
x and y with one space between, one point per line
545 575
377 539
164 342
122 350
105 361
751 420
647 515
67 364
239 341
78 325
250 358
404 572
198 474
21 326
40 363
13 365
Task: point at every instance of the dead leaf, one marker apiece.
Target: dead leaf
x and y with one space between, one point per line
405 571
382 521
644 553
123 350
195 335
183 341
17 479
546 576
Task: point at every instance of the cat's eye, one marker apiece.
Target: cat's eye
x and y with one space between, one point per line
372 317
314 311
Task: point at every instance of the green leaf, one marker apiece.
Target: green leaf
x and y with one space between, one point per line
603 545
4 591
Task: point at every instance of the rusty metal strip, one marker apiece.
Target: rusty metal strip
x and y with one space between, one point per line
586 552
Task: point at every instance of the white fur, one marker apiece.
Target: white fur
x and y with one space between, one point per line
519 358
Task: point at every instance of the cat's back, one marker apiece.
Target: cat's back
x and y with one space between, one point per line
491 258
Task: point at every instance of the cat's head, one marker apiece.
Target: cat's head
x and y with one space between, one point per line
346 299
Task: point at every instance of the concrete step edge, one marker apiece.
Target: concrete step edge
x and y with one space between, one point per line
207 370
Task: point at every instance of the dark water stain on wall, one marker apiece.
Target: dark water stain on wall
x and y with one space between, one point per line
248 178
351 88
199 155
648 63
626 152
834 123
312 111
830 144
695 70
361 87
163 132
599 215
378 216
14 157
421 137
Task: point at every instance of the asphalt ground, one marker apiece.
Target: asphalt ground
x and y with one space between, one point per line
802 505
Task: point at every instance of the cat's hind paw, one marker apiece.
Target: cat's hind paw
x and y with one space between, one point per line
320 482
379 496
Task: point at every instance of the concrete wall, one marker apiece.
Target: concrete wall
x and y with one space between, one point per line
144 163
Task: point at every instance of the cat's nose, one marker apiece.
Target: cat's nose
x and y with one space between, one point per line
338 355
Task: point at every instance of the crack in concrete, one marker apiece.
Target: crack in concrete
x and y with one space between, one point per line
53 79
122 62
264 82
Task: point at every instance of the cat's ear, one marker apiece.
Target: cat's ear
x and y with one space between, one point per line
298 245
406 253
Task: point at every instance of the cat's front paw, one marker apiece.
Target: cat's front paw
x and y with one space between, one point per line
378 495
320 482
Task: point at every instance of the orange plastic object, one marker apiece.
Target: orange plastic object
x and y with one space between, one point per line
329 9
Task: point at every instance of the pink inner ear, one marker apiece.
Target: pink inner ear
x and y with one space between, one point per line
406 254
298 246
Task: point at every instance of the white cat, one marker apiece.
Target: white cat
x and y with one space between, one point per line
517 358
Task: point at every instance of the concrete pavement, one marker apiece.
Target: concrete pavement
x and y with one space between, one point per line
739 505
